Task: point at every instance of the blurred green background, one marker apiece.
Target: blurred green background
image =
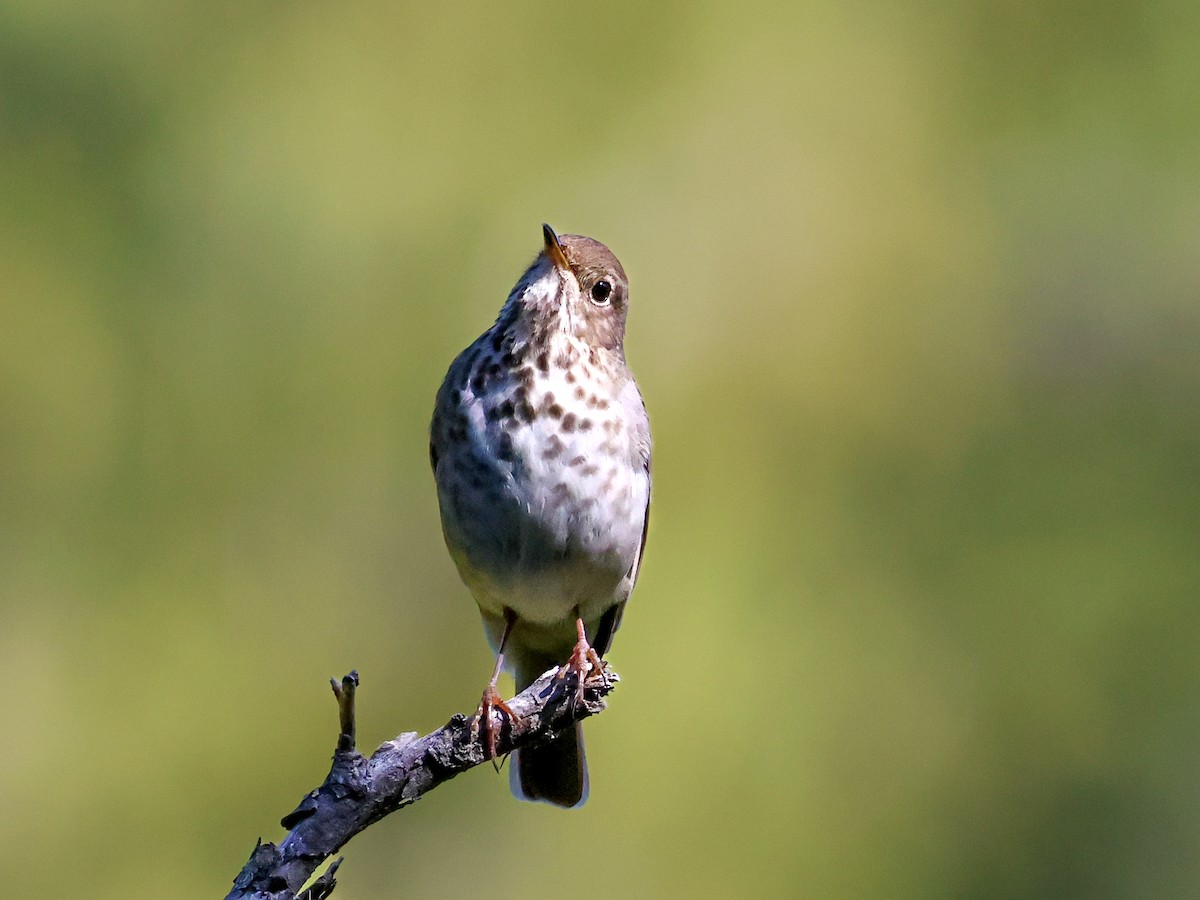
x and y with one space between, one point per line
916 311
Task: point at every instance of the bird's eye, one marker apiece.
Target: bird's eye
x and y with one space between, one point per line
601 291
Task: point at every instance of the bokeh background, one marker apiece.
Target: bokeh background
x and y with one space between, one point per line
916 310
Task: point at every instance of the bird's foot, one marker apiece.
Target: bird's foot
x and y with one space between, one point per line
584 663
491 701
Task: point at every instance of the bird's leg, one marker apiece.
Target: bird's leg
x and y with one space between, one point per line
584 660
491 699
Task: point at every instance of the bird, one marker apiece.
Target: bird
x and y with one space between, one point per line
540 447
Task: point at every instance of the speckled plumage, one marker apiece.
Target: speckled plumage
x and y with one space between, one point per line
540 446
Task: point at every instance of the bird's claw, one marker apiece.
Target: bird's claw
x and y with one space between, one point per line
491 701
585 663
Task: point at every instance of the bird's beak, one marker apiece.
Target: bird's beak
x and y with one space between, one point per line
554 250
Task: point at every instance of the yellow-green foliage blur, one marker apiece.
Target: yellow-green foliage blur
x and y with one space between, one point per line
916 312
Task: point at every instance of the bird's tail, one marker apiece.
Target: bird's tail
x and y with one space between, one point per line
554 772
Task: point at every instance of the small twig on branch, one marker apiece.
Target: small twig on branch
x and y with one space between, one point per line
345 698
360 791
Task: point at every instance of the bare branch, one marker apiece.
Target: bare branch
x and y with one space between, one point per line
360 791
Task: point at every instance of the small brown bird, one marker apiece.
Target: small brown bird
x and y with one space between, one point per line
540 446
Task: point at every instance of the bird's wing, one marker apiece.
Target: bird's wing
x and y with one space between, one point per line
611 620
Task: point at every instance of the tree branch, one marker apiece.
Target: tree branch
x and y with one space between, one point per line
360 791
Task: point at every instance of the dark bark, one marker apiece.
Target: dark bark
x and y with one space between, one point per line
360 791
